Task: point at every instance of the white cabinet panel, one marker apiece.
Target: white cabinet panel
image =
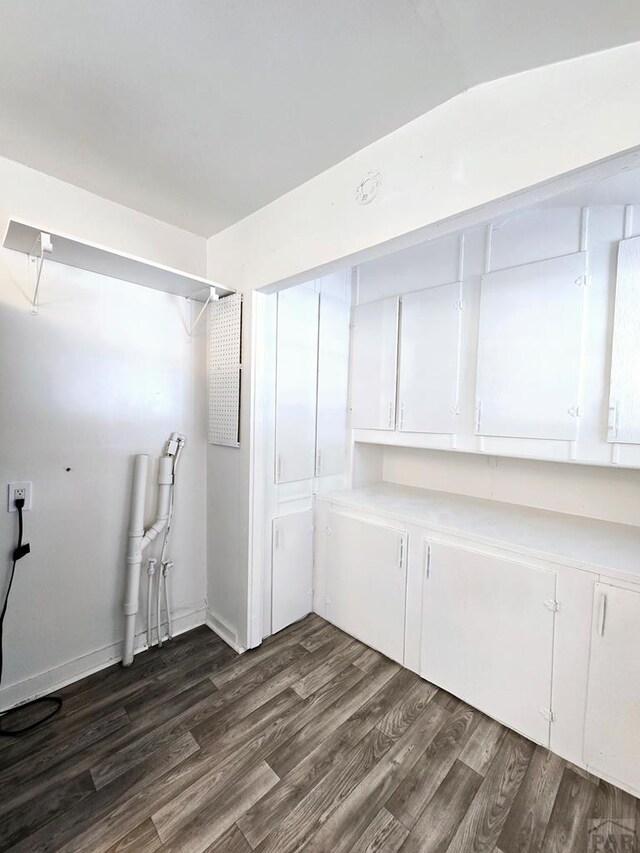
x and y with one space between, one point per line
487 635
337 285
296 381
333 382
612 731
529 349
366 582
429 358
374 360
624 399
292 592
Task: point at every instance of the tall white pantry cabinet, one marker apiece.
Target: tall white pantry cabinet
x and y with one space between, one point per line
311 348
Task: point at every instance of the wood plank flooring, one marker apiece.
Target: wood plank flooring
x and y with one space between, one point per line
312 742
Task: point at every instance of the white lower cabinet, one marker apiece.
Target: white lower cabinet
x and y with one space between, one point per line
505 631
292 562
365 576
487 634
612 730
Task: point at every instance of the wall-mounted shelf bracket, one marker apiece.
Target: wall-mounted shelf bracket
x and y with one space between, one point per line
38 243
212 296
41 245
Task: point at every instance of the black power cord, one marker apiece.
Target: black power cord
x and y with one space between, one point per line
20 551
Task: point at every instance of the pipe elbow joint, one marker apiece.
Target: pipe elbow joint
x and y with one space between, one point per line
153 532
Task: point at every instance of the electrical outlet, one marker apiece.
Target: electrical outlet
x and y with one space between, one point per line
17 491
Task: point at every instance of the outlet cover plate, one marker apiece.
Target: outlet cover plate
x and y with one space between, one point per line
17 490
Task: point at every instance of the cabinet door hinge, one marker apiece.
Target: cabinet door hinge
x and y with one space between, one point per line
552 604
401 554
612 422
460 306
392 416
478 416
548 714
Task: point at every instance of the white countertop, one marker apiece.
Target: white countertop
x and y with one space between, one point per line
587 543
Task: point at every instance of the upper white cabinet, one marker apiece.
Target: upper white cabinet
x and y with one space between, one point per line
487 634
333 382
292 561
612 741
624 399
429 360
296 377
374 363
365 575
529 349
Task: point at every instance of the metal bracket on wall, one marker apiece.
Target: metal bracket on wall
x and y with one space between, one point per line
41 244
212 297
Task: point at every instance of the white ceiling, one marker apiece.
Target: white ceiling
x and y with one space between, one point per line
198 112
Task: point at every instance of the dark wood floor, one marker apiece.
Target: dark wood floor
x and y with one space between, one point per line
311 742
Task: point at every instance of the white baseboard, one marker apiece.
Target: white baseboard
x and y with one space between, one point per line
224 631
78 668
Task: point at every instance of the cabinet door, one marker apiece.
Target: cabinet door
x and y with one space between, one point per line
366 582
429 357
292 560
529 349
333 380
612 730
624 392
296 382
487 635
374 362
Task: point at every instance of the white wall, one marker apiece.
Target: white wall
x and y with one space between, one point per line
227 543
228 511
607 493
55 205
491 141
105 371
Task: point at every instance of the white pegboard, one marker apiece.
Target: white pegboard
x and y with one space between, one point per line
224 342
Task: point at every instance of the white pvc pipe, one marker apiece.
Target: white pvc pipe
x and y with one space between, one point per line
139 539
134 555
165 479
